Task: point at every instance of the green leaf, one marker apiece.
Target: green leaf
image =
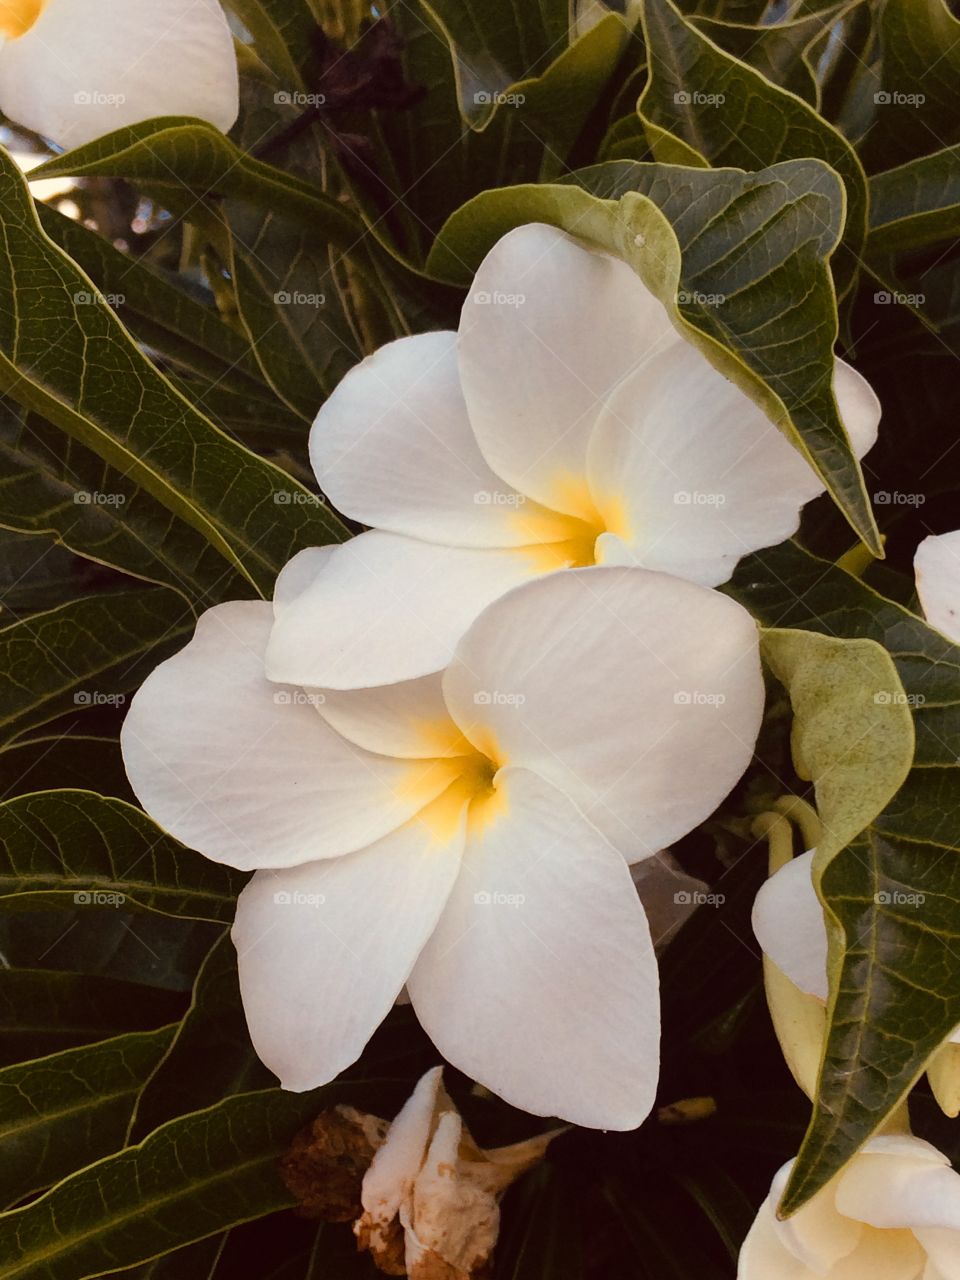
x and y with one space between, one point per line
760 243
56 485
44 1011
894 890
70 1108
58 845
723 110
160 313
86 653
917 95
193 1177
188 153
210 1057
853 732
281 30
64 354
915 204
778 51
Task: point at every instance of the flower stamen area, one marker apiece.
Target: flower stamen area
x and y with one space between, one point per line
18 16
473 786
567 539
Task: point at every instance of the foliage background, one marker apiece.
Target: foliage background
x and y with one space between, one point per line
161 334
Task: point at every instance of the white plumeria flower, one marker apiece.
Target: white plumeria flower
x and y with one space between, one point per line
789 924
468 836
74 70
937 567
893 1213
566 423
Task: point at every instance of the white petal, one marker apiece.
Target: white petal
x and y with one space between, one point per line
789 925
817 1235
393 447
638 694
387 608
409 719
943 1248
699 475
937 566
548 328
764 1256
858 405
298 574
85 69
248 773
325 948
540 979
389 1180
910 1185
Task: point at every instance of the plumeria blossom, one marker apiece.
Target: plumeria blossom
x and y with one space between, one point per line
789 924
74 70
468 834
893 1213
431 1195
566 423
937 568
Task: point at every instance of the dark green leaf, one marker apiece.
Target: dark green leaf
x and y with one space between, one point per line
893 892
85 654
77 847
915 204
60 1112
190 1179
64 354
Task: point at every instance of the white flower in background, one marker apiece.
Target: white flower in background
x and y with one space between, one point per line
74 70
466 835
789 924
430 1197
566 423
893 1213
937 567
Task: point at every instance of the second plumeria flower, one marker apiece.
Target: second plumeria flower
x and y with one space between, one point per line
466 836
567 423
74 70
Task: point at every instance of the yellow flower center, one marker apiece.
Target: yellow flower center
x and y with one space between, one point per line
472 786
18 16
568 539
